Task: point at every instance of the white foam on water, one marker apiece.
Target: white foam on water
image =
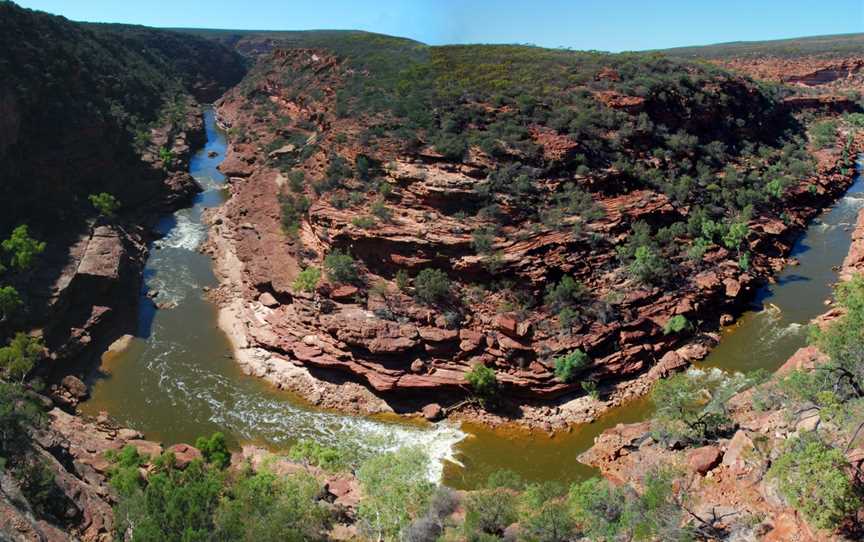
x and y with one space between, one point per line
792 329
253 416
171 285
187 234
852 200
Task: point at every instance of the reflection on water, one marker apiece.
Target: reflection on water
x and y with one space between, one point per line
178 380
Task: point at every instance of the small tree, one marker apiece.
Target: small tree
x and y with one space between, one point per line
483 381
692 405
566 293
166 156
402 280
380 209
293 208
10 302
489 512
567 367
396 490
105 204
19 357
647 265
340 267
214 449
676 324
544 514
307 280
431 286
22 249
813 477
482 239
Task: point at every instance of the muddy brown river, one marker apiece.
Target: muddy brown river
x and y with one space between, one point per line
177 380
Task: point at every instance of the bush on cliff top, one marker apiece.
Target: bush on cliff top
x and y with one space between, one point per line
813 477
203 502
104 203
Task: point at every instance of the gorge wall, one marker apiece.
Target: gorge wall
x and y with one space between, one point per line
506 213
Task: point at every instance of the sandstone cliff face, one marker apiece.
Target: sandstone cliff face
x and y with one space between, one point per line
383 337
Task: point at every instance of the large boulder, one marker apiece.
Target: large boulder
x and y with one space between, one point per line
701 460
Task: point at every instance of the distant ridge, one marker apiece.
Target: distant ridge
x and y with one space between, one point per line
824 46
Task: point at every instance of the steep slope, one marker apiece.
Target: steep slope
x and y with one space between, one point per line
84 111
78 102
565 219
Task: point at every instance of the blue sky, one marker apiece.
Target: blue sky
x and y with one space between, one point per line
611 25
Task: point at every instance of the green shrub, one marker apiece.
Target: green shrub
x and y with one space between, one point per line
396 490
824 134
676 324
567 316
452 146
490 511
483 381
698 249
214 449
380 209
566 293
10 302
166 156
590 387
171 505
432 286
602 511
38 484
647 266
544 514
19 357
692 405
362 165
321 456
365 222
843 342
22 249
296 180
567 367
264 507
18 415
307 280
293 208
482 239
340 267
402 280
813 477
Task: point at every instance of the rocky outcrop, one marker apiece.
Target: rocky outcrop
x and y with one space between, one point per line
409 353
729 475
73 450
